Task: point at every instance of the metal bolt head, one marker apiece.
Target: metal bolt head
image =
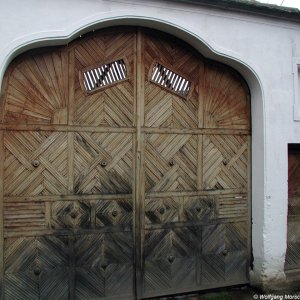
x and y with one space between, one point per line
225 162
37 271
172 162
103 163
35 163
73 215
162 210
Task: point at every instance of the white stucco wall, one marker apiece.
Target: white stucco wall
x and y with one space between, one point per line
263 49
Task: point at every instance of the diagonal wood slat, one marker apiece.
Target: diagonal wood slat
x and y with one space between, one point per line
91 151
225 162
21 176
37 90
171 162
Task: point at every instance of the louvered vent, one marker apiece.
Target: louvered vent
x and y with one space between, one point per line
170 80
104 75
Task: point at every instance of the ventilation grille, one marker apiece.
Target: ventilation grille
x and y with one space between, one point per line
170 80
104 75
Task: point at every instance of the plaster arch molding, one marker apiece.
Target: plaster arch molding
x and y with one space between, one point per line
192 36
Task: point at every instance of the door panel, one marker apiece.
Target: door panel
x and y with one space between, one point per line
104 265
170 259
109 107
35 163
225 162
36 268
103 163
126 170
162 108
170 162
225 102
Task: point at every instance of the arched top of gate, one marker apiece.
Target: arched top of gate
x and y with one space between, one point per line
63 37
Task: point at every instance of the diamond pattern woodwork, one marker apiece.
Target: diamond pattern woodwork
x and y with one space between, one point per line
35 163
39 267
114 212
170 257
104 264
171 162
199 208
224 248
161 210
225 161
70 214
103 163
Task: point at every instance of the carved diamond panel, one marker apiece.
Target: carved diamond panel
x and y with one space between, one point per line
224 252
225 161
36 268
161 210
170 162
104 265
35 163
199 208
70 214
103 163
114 213
170 258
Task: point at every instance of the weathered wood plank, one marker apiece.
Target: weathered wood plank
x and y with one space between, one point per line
64 128
139 192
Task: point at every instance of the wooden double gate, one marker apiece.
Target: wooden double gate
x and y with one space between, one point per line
124 170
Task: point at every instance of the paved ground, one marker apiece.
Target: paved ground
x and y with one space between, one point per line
239 293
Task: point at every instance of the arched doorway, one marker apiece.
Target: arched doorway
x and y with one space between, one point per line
126 170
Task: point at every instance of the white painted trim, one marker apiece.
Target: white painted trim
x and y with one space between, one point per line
296 76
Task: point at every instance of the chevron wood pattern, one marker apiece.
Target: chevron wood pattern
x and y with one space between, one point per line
129 189
113 106
114 213
70 214
171 162
34 266
103 163
292 260
163 108
225 162
170 259
224 252
35 163
37 90
104 265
